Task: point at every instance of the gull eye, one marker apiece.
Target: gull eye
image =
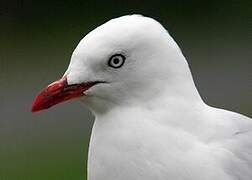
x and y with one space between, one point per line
116 61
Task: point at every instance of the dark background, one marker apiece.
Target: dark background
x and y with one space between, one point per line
36 42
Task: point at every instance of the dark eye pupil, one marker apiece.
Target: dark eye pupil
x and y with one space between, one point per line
116 60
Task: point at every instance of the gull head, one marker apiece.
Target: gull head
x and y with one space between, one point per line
128 60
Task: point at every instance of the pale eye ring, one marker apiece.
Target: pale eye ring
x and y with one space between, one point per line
116 61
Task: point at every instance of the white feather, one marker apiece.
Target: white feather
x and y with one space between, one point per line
151 123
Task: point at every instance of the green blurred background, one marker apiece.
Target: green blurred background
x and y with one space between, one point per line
36 42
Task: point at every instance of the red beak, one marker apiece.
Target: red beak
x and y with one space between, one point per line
58 92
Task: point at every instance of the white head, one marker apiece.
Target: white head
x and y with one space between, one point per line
133 59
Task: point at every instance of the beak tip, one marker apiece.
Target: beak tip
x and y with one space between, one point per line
34 107
37 104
